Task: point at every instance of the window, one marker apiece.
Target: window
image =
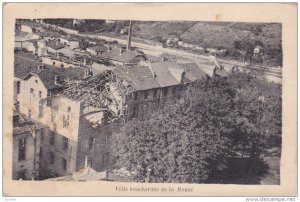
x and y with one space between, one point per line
40 110
62 65
146 94
53 63
64 164
135 95
48 98
29 113
65 143
51 158
41 153
22 149
52 138
42 134
155 93
18 87
53 115
91 144
165 91
173 90
66 121
36 81
69 109
31 90
40 94
54 127
107 138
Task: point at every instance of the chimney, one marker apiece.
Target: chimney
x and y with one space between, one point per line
40 67
152 70
182 76
121 50
56 80
129 35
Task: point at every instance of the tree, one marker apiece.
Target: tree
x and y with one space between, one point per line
191 139
237 44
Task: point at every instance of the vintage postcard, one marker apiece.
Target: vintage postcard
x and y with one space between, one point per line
153 99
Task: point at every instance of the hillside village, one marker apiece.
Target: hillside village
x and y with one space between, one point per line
73 92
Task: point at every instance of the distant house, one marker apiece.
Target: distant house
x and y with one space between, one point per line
121 56
26 28
123 31
257 51
31 45
97 50
54 46
172 41
71 42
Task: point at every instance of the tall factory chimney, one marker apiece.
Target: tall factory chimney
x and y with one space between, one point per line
129 36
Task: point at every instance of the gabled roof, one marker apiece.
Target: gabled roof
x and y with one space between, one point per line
159 74
166 72
139 77
192 72
125 57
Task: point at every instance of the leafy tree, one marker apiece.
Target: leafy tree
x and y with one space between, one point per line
237 44
191 139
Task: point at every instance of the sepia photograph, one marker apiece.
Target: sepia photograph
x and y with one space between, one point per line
194 102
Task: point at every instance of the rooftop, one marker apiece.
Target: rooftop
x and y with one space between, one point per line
55 44
98 48
159 74
26 65
125 57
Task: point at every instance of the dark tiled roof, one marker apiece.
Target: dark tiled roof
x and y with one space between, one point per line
55 44
98 48
49 34
159 74
126 57
165 72
139 77
192 72
25 65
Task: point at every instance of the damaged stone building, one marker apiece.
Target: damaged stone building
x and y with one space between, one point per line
81 111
